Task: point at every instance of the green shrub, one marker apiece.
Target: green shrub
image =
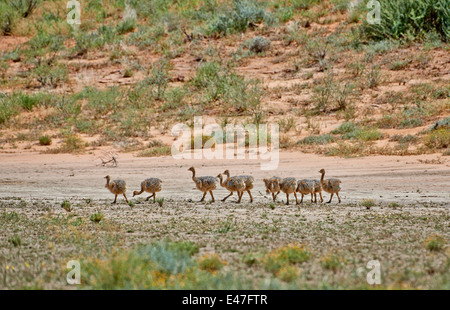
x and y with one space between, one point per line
26 101
342 94
128 73
340 5
184 246
44 40
243 14
399 65
66 206
381 47
15 103
440 124
343 149
96 217
351 131
10 216
438 139
218 83
72 143
49 75
404 139
394 205
211 263
368 203
125 26
410 19
304 4
344 128
24 7
368 134
8 18
15 240
160 201
283 262
322 94
287 124
250 259
435 242
101 101
373 77
331 261
156 151
45 140
99 38
317 139
8 108
156 84
259 44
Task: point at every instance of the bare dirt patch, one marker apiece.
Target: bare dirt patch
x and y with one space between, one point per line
383 178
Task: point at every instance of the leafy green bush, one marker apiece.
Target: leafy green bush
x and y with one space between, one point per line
156 151
351 131
343 149
66 205
15 240
345 128
410 19
340 5
159 77
243 14
7 18
49 75
438 139
7 108
100 101
283 262
215 82
317 139
24 7
26 101
368 203
45 140
96 217
304 4
126 25
211 263
404 139
332 261
368 134
45 40
441 124
259 44
13 104
71 143
104 35
435 242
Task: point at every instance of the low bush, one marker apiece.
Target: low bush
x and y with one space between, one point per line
437 139
243 14
410 19
317 139
259 44
45 140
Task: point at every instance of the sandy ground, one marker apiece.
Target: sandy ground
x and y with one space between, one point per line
382 178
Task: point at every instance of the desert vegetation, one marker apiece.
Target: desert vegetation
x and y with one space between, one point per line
119 80
246 247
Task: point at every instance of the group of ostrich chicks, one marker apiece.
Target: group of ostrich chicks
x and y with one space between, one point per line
239 184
